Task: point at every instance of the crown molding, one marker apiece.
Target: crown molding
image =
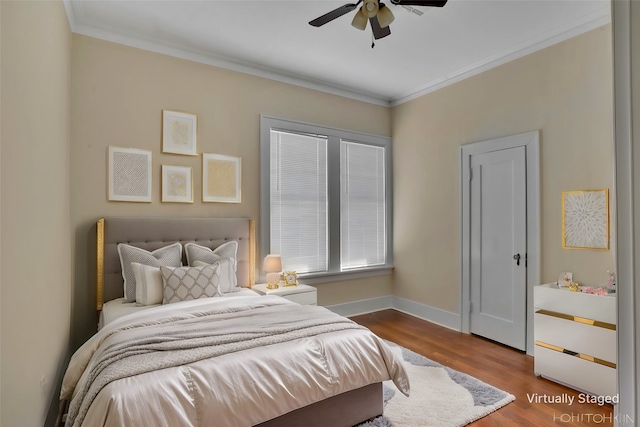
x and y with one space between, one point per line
208 58
74 11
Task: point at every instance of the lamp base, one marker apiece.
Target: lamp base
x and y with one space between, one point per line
272 280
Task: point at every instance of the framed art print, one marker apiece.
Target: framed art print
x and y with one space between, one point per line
585 219
179 132
129 174
221 178
177 184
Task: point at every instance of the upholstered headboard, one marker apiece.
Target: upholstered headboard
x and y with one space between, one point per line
151 233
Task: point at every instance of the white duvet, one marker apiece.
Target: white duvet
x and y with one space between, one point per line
248 383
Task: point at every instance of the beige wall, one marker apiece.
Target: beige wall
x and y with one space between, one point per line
35 228
118 94
566 92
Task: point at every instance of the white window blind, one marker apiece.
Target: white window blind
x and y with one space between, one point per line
326 202
362 205
299 201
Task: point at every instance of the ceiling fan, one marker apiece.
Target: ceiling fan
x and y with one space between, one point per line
373 11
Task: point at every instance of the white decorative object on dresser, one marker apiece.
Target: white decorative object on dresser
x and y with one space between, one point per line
575 336
302 294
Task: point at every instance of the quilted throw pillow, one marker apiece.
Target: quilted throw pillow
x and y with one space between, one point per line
196 252
168 255
188 283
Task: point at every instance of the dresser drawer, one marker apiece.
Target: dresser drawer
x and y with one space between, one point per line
561 300
575 372
595 341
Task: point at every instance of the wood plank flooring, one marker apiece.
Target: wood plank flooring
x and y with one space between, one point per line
500 366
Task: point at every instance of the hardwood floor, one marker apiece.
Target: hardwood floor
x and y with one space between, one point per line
500 366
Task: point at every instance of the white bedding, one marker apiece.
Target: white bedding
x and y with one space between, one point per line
114 309
239 388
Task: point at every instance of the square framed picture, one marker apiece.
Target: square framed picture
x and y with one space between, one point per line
221 178
585 219
129 175
177 184
179 133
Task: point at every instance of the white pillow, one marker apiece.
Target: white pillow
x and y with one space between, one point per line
196 252
149 289
168 255
188 283
228 280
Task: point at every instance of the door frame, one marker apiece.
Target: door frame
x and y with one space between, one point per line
531 142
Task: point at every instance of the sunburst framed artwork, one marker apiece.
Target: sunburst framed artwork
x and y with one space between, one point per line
585 219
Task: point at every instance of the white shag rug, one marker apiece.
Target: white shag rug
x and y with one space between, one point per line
440 396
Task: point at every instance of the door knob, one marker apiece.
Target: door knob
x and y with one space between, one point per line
517 258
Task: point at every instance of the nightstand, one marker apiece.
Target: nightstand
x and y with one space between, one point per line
302 294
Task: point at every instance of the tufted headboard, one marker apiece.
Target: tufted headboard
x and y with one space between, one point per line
151 233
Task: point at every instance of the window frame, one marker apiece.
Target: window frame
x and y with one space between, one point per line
334 137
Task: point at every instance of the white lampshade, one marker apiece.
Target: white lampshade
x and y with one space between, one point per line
272 264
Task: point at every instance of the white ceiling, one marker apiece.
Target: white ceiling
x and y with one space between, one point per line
273 39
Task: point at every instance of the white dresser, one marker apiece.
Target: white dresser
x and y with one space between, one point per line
575 337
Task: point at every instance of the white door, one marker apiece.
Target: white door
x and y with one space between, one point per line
498 233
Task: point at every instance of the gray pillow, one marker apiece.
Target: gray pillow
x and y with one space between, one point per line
189 283
199 255
196 252
169 255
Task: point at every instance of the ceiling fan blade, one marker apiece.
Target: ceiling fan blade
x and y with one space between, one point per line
336 13
428 3
378 31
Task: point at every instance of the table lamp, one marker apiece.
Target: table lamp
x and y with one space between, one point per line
272 266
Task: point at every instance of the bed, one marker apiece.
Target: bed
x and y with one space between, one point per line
229 358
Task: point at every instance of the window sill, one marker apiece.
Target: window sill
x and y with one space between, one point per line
315 278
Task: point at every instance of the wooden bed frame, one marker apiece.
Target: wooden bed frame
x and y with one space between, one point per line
150 233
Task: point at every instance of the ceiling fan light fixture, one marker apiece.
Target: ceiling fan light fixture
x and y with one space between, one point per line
360 20
370 8
385 17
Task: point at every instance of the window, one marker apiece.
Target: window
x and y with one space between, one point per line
299 200
325 198
362 205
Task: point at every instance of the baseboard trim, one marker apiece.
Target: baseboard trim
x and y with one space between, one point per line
422 311
363 306
426 312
